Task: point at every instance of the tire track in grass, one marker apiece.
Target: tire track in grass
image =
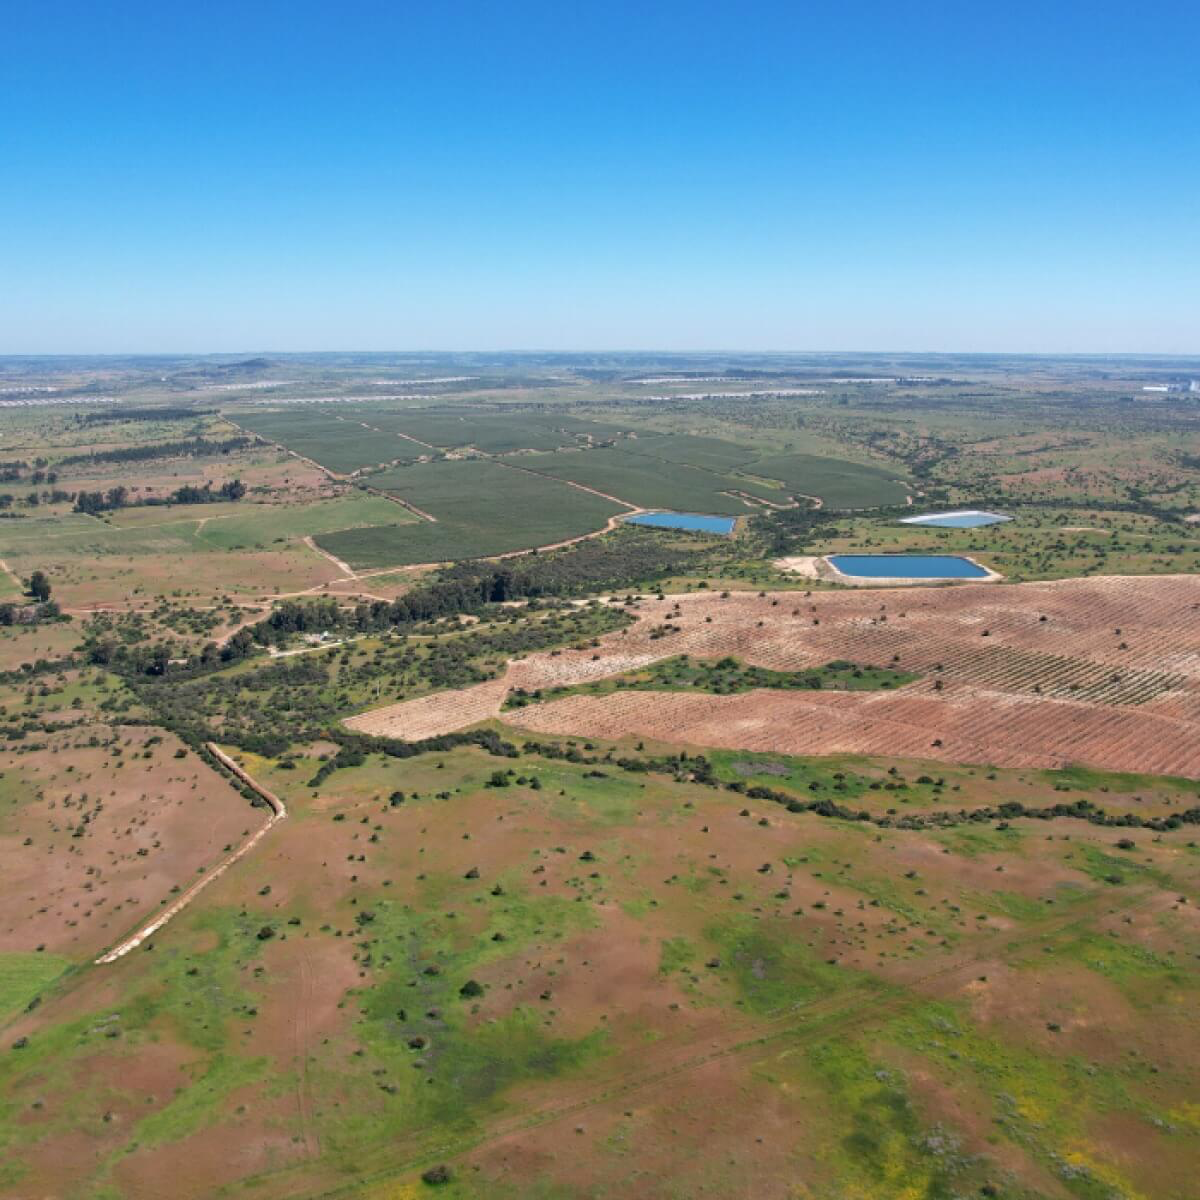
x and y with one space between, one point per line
304 1091
346 568
830 1017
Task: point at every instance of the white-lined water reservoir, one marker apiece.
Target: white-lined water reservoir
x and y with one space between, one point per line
965 518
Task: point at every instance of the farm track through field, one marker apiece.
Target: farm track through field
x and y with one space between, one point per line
674 1056
278 813
16 579
392 433
396 498
312 462
304 1091
583 487
345 568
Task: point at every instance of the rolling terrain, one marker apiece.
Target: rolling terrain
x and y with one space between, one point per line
381 816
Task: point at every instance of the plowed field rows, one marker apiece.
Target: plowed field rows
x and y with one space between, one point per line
965 726
1109 677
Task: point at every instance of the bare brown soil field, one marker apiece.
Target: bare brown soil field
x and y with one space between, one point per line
1103 672
135 581
92 843
962 726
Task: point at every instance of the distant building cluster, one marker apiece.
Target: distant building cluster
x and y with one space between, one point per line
1176 387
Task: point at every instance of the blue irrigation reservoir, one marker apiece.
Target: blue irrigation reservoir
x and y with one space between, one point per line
692 521
907 566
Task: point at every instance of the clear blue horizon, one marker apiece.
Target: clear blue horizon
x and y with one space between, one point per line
925 176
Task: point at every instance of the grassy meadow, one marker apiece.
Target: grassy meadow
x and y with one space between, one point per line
455 923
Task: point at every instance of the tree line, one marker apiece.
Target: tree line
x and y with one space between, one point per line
183 448
118 497
166 413
631 560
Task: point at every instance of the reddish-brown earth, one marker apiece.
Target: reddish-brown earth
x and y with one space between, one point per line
1103 672
95 842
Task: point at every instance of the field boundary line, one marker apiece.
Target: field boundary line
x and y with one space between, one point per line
337 562
408 437
583 487
278 813
312 462
395 498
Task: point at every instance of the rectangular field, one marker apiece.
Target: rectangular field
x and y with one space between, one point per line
342 444
714 454
837 483
647 482
189 528
491 432
480 508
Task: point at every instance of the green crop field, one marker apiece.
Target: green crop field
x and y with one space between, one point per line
714 454
175 529
339 443
837 483
644 481
492 432
481 508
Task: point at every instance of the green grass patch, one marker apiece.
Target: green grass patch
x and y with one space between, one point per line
339 442
772 969
883 1147
723 677
1137 970
199 1102
1042 1102
1087 779
25 975
429 1064
974 841
1115 869
676 954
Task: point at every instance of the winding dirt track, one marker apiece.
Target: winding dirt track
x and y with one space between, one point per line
278 813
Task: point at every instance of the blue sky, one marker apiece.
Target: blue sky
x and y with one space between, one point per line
964 175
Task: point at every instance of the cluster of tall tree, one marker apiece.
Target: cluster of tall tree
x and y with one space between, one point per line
166 413
45 609
632 561
184 448
33 499
119 497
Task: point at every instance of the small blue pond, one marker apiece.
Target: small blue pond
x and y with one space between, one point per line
966 519
907 566
693 521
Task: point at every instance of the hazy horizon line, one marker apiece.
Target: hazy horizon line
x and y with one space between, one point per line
534 350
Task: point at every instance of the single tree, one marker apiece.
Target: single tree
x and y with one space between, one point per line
39 586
